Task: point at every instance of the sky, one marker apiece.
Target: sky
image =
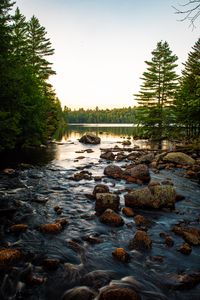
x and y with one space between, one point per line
101 45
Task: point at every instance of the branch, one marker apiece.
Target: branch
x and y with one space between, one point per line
190 11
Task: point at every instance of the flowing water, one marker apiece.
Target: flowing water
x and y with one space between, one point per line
36 190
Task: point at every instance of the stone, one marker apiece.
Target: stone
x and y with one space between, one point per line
190 234
79 293
108 155
141 241
97 279
9 255
82 175
179 158
90 138
121 255
113 171
126 143
100 188
146 159
18 228
51 228
50 263
118 293
185 249
141 221
128 211
169 241
110 217
106 200
138 172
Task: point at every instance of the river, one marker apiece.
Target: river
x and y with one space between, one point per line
46 183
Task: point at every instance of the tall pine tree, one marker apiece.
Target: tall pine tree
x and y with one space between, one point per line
157 91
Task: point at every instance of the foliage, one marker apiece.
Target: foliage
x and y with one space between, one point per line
30 112
157 91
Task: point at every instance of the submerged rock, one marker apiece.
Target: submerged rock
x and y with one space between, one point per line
51 228
179 158
18 228
106 200
9 255
185 249
190 234
141 241
121 254
90 138
128 211
111 218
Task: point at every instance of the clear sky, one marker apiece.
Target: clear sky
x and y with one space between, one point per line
101 45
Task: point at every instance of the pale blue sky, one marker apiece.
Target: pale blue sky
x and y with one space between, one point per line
101 45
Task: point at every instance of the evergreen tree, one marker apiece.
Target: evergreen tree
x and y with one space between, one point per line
39 47
157 92
188 99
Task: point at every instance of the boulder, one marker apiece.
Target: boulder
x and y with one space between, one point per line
118 293
113 171
51 228
138 172
106 200
141 241
142 221
9 255
100 188
154 197
108 155
121 255
179 158
185 249
190 234
111 218
146 159
90 138
79 293
128 211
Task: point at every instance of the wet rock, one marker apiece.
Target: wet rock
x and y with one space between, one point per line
90 138
92 239
51 228
179 158
126 143
79 293
100 188
169 241
50 263
111 218
118 293
141 241
141 221
138 172
80 157
185 249
113 171
8 171
183 281
128 211
190 234
146 159
62 221
121 255
58 209
9 255
106 200
82 175
18 228
97 279
155 197
108 155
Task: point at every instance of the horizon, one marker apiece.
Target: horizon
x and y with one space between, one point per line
101 46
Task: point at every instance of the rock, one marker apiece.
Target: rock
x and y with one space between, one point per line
169 241
128 211
185 249
106 200
96 279
154 197
108 155
82 175
138 172
146 159
141 241
121 255
113 171
118 293
90 138
183 281
9 255
111 218
190 234
92 239
79 293
100 188
179 158
62 221
126 143
18 228
51 228
51 264
141 221
58 209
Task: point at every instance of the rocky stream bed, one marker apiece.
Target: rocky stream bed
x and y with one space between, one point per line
118 222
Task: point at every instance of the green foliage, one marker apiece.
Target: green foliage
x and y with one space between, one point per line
157 92
30 112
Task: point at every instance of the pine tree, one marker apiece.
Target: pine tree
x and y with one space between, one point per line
39 47
157 92
188 100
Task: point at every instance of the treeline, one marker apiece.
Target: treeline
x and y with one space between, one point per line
115 115
30 112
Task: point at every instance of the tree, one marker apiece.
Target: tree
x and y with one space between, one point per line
39 47
157 92
190 11
188 99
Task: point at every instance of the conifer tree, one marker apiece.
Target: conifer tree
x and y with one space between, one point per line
188 100
158 88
